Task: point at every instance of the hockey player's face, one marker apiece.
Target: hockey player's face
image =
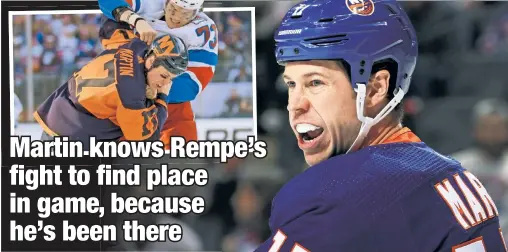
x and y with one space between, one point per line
322 110
159 78
177 16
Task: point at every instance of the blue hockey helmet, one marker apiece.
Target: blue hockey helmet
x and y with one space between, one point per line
358 32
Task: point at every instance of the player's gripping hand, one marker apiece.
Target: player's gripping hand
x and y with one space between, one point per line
165 89
146 32
150 93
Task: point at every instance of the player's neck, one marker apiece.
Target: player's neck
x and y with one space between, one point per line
381 131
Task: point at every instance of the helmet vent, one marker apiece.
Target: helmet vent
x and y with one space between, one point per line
328 40
325 20
391 10
400 21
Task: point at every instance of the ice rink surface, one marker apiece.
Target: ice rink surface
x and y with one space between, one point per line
28 129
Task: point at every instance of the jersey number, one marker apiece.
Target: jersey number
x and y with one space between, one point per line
206 31
278 240
476 245
98 73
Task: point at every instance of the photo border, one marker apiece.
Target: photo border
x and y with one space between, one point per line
252 11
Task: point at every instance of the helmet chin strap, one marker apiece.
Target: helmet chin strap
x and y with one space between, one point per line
368 122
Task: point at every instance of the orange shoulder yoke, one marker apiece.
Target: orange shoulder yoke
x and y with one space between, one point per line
405 135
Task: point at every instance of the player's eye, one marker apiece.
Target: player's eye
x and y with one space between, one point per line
290 84
316 83
164 76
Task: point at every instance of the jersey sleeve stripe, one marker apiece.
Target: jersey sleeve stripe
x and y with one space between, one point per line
203 56
162 103
195 79
117 39
190 84
185 88
198 64
137 5
203 75
44 125
214 51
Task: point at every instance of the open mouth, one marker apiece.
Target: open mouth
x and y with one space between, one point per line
308 132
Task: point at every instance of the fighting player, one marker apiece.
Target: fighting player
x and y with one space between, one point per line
373 185
107 98
182 18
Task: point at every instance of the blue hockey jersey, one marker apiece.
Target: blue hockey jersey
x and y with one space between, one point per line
396 196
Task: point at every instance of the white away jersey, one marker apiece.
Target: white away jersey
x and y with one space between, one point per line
198 33
201 38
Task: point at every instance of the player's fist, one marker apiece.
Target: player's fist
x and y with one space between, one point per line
165 89
146 32
151 93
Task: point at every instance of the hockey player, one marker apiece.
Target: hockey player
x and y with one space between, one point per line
373 185
182 18
107 98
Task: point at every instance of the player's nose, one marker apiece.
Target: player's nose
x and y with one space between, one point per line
297 101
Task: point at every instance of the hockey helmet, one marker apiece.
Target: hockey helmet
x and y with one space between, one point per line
171 53
358 32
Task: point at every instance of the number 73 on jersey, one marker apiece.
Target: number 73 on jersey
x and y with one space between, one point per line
206 31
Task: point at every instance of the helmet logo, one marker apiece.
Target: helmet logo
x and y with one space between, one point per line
166 46
299 10
361 7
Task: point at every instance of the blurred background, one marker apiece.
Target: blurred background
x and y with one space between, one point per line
456 104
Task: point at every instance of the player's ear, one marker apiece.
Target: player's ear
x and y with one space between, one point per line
377 89
149 61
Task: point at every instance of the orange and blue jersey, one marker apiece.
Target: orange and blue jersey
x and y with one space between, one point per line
201 38
106 98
